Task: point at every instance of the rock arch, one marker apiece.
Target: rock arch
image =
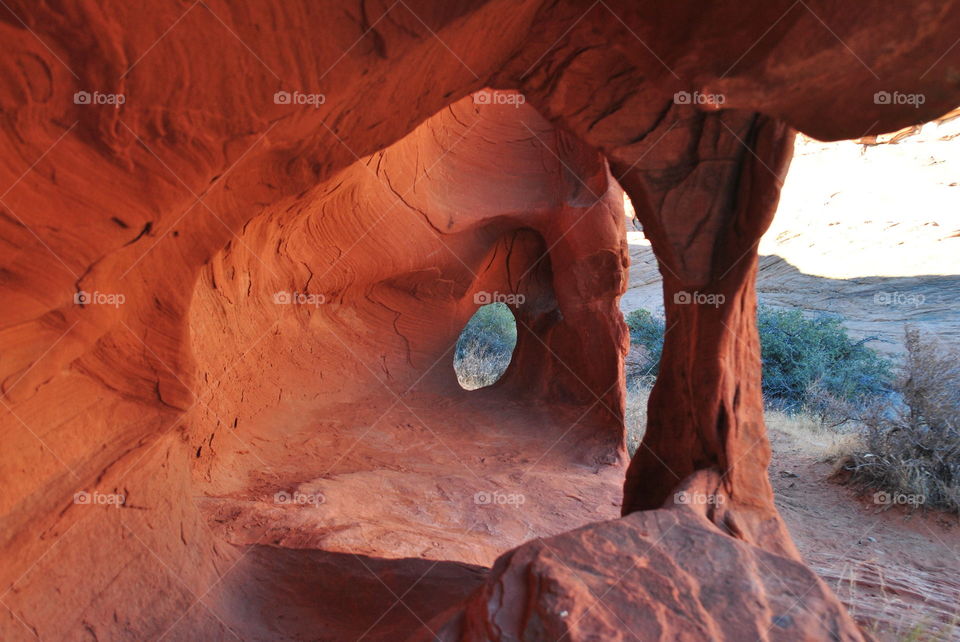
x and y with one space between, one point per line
202 196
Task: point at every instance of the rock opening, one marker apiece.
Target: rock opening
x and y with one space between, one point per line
485 347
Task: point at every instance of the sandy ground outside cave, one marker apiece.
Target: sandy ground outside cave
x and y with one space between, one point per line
897 570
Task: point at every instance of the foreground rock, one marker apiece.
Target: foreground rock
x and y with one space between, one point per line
666 574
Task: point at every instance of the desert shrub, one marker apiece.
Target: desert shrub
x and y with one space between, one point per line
811 362
808 363
646 331
911 446
930 383
643 362
485 346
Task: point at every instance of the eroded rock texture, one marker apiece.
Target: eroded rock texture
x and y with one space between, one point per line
667 578
203 198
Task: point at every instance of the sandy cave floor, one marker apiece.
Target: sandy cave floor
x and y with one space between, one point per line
407 541
463 479
360 524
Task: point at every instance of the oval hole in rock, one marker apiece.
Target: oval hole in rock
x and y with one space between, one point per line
485 346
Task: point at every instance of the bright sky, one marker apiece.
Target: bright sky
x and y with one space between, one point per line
888 210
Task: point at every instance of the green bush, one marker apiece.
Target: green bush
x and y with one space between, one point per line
808 362
811 362
647 331
485 346
492 327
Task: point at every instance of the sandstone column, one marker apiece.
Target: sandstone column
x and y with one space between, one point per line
705 195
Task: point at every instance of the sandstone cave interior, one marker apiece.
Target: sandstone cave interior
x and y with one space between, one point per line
241 241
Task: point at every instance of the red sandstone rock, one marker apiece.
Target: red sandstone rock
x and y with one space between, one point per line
396 200
665 574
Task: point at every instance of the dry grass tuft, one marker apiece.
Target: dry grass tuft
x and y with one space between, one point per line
813 436
479 365
635 417
912 449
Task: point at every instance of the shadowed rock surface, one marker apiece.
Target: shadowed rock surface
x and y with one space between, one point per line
224 291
